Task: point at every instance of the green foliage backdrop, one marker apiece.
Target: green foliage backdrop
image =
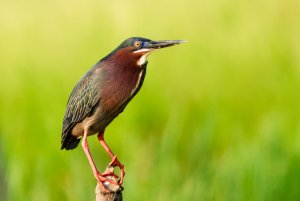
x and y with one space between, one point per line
217 119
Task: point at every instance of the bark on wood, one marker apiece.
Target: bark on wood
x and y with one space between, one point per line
116 190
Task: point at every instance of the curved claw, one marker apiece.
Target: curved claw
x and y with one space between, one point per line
120 182
105 179
107 174
114 163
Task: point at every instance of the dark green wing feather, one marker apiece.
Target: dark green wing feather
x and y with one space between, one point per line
82 100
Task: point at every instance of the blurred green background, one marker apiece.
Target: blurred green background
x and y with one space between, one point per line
217 119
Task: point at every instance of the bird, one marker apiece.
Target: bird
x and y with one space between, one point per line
103 93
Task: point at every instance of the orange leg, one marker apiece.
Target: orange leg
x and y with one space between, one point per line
114 162
101 178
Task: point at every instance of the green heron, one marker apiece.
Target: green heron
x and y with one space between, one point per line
103 93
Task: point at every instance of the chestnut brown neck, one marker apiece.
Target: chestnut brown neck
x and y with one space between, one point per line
122 78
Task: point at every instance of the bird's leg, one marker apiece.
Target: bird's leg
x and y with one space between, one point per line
101 178
114 162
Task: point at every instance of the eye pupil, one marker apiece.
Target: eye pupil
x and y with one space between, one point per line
137 44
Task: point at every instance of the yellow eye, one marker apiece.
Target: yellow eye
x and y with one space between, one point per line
137 44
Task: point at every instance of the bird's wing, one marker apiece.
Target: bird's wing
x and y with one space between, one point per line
83 98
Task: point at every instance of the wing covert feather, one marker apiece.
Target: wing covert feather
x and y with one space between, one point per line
83 98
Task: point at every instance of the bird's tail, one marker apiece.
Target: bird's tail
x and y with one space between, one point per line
70 142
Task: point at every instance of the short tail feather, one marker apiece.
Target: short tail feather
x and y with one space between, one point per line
70 142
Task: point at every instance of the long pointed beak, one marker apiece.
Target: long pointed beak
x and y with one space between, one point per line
162 44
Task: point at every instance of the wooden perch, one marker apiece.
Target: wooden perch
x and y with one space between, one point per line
116 190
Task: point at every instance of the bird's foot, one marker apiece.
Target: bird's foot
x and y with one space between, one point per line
114 163
105 179
109 174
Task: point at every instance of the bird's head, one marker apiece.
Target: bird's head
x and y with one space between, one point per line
138 49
